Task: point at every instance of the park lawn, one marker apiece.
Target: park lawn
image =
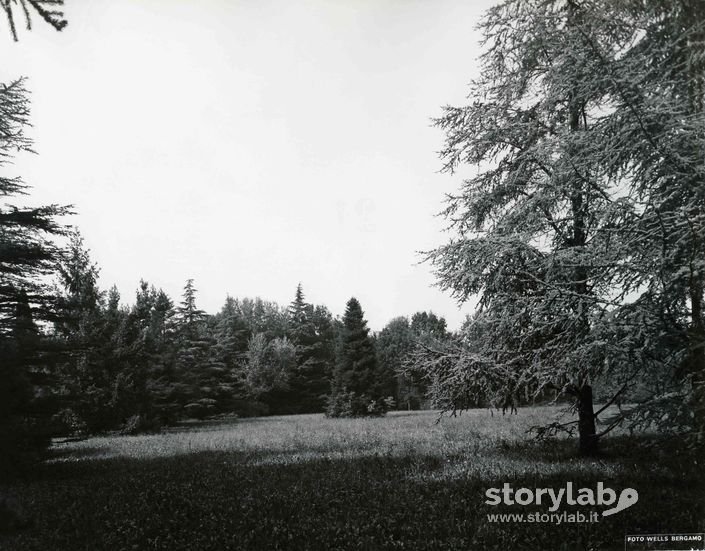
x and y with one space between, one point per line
307 482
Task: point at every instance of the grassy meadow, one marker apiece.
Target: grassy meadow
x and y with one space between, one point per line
306 482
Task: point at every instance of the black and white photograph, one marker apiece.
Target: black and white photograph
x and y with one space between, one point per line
349 275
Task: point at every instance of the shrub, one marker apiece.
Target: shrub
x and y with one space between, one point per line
349 404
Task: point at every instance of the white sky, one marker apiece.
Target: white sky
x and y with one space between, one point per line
251 145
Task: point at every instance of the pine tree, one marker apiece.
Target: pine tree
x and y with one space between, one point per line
297 308
576 207
162 358
27 252
354 388
86 373
525 221
27 256
201 377
79 296
188 314
139 350
232 335
232 331
321 358
309 380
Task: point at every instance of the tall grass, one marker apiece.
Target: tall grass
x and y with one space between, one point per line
307 482
300 437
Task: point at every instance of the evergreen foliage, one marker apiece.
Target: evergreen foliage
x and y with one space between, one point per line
582 231
355 391
310 332
46 9
27 250
86 373
28 254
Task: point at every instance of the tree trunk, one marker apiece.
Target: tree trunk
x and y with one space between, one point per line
586 421
580 210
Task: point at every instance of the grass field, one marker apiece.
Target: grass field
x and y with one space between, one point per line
307 482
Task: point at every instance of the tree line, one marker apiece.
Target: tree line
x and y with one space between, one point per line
77 360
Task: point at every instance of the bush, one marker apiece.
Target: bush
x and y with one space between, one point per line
349 404
340 404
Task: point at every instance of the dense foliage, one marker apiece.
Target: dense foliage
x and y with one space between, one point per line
100 365
582 231
138 367
356 387
27 256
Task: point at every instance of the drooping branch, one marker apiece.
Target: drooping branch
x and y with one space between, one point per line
44 8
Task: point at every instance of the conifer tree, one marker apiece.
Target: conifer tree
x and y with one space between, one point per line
188 314
573 232
28 255
86 372
202 377
27 252
232 335
354 387
309 380
297 308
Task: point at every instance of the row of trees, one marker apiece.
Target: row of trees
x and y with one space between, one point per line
75 360
96 364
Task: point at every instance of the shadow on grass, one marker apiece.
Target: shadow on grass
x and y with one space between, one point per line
290 500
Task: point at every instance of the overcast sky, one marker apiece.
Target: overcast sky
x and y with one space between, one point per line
252 145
